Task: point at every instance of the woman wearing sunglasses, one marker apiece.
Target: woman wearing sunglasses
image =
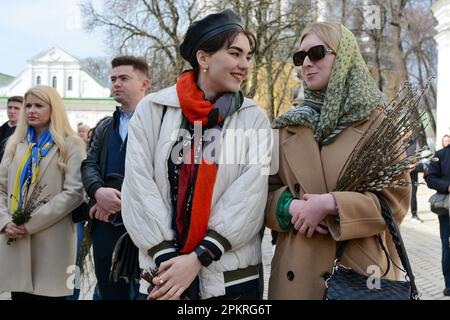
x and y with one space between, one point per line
315 140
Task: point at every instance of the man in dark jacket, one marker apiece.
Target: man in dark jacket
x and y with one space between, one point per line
104 168
13 106
414 174
438 179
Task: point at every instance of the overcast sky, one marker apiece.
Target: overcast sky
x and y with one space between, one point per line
28 27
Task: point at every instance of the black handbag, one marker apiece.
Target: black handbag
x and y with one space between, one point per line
125 261
439 203
346 284
81 213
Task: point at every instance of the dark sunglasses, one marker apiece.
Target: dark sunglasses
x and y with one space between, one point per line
314 54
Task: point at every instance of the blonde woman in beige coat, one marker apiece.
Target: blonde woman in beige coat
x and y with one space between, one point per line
315 140
37 264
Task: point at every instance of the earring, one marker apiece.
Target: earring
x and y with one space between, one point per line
204 69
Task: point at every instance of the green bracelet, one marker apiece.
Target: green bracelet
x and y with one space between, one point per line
282 213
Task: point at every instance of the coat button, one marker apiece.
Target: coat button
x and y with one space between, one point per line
297 188
290 275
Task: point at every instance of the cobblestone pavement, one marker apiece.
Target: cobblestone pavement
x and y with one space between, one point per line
422 243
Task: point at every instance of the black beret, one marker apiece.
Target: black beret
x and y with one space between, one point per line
201 30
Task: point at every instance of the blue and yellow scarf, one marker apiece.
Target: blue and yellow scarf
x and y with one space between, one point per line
28 170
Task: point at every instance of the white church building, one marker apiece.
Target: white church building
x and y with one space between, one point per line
87 99
441 11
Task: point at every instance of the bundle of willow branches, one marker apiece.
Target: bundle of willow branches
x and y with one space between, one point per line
379 156
23 214
148 276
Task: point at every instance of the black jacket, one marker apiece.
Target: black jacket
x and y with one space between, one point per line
5 132
93 168
438 177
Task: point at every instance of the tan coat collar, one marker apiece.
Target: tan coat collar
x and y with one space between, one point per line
318 170
303 156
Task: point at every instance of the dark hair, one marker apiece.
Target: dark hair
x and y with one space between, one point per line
138 63
222 40
15 99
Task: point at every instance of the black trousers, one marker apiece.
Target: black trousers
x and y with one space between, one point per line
22 296
104 238
444 229
414 181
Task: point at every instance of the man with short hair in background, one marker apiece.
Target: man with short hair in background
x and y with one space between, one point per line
103 170
13 107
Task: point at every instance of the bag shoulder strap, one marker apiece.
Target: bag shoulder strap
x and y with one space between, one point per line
340 248
399 245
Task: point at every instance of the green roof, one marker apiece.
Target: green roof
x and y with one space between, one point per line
5 79
100 82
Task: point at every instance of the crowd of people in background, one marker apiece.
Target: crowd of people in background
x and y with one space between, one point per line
141 181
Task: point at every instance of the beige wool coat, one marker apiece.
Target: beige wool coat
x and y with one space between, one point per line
299 263
40 262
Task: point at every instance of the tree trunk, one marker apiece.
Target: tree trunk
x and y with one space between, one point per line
425 96
399 57
343 12
270 89
377 45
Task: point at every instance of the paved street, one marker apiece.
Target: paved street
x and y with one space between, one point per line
422 242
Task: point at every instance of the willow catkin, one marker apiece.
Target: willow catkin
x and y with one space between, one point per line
376 163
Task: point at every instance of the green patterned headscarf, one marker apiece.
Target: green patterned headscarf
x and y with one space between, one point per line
351 96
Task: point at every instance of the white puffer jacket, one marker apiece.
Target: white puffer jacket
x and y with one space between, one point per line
239 195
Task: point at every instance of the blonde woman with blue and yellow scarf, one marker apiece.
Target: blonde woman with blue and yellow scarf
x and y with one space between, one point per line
46 153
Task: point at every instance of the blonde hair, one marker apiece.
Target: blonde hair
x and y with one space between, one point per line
60 128
328 32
